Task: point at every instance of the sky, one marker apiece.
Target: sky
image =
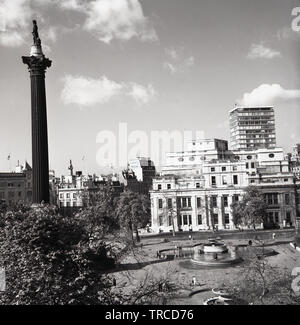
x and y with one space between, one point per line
156 65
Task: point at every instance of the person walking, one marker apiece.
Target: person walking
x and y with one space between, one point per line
194 281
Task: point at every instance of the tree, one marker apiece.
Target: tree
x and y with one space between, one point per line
151 290
133 211
99 217
251 209
48 259
261 283
171 211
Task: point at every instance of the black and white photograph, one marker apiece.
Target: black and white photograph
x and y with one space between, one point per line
149 155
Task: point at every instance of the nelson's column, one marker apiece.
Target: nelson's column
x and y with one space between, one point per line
37 65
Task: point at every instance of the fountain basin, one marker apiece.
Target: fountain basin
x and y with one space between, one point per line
217 301
212 248
221 292
216 263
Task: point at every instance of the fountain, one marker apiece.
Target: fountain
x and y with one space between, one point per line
215 247
217 301
214 254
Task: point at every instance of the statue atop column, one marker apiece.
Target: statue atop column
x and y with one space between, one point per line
36 58
35 33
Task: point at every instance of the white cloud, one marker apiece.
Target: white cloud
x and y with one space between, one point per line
177 61
87 92
267 94
51 33
170 67
71 4
14 14
259 51
189 62
14 18
106 19
11 39
118 19
172 53
142 95
84 91
16 21
287 33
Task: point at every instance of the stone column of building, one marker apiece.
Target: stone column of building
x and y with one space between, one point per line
175 212
154 221
37 65
194 212
282 209
221 221
230 201
209 211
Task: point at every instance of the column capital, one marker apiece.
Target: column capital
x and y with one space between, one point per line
37 63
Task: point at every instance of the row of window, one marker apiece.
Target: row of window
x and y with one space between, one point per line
10 194
223 169
169 186
272 198
251 165
68 195
186 202
14 194
274 216
186 220
224 180
224 177
250 122
12 185
68 204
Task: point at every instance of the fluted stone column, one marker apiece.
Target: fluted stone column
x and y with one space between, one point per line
208 211
37 64
221 221
230 202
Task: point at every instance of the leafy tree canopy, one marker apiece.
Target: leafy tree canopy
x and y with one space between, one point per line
251 209
48 259
99 217
133 210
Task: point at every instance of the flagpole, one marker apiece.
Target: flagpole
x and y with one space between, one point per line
9 162
83 165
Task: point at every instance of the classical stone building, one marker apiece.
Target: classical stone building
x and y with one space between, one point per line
196 154
16 186
197 192
73 190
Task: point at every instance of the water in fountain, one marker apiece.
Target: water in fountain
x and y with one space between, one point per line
216 254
